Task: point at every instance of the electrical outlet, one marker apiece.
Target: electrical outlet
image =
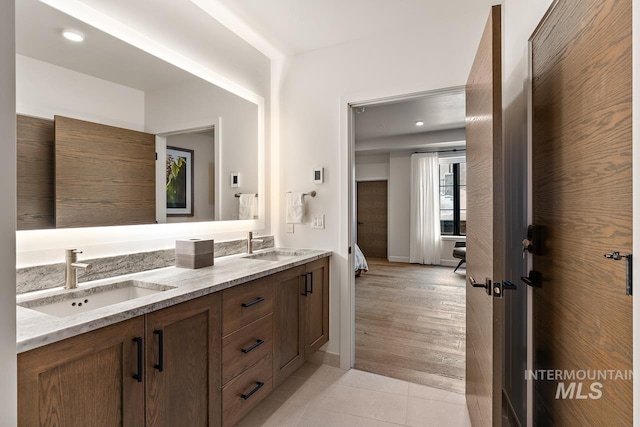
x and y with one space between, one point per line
289 228
317 221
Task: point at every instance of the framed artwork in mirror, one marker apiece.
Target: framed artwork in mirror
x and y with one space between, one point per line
179 171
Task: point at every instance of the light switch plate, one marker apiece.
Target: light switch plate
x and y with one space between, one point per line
289 228
317 221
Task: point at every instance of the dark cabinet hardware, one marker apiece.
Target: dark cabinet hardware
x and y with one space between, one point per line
306 284
257 344
486 285
138 376
534 241
310 282
500 287
254 302
160 365
534 279
258 386
616 256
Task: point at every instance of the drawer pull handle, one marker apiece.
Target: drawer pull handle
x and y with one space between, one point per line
138 376
258 386
254 302
253 347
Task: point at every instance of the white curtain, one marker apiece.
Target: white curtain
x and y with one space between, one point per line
425 209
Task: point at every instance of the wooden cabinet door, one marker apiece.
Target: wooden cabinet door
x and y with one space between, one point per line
288 323
183 364
316 305
84 381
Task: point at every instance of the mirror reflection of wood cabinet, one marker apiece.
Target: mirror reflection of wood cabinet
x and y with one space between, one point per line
36 174
105 175
73 173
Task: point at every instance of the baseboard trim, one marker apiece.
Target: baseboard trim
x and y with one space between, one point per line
325 358
399 259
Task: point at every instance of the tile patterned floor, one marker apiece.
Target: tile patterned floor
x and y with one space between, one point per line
324 396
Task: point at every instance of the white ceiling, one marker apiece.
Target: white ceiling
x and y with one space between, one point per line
38 36
440 111
296 26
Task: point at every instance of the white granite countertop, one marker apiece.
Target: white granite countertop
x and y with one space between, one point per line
35 329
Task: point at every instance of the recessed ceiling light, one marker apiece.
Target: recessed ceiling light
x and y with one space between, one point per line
419 123
73 35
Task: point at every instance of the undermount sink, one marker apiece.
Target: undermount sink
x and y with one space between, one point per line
70 302
278 255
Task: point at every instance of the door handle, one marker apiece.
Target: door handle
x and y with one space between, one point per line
257 344
254 302
310 282
138 375
160 365
360 223
616 256
486 285
306 279
534 279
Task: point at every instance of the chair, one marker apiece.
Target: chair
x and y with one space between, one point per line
460 252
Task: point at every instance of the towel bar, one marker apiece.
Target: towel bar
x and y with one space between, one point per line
311 193
238 195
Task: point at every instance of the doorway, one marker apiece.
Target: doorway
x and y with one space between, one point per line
409 320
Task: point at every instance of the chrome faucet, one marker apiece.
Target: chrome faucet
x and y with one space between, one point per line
250 241
72 265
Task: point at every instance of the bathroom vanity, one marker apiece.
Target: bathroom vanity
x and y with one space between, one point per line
202 352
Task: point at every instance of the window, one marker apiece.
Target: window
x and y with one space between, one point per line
453 197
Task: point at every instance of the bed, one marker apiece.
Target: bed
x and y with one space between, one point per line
359 261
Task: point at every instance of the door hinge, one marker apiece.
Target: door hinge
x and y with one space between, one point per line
349 250
500 287
617 256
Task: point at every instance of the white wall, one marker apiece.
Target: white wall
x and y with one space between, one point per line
315 91
372 167
197 104
8 369
399 207
44 90
203 174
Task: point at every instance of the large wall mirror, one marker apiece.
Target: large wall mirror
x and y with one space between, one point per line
80 103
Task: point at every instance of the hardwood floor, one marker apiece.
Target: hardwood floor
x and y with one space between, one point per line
410 323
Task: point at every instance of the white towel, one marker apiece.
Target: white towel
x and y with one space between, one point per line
295 208
248 206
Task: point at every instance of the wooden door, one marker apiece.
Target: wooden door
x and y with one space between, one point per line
84 381
484 227
288 323
317 306
582 195
372 218
183 364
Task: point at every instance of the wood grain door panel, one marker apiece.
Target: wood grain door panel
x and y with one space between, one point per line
484 227
288 324
317 306
104 175
84 381
372 218
36 173
188 387
582 195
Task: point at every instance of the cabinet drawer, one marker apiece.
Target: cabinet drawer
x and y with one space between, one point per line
243 348
241 394
246 303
